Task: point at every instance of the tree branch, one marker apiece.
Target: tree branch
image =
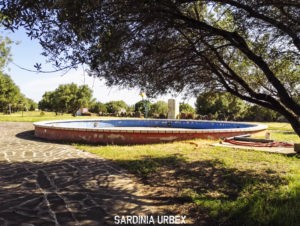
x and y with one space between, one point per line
260 16
241 44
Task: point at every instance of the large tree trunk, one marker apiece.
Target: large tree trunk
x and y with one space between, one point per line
295 123
293 118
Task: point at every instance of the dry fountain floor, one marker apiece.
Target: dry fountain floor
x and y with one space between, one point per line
44 183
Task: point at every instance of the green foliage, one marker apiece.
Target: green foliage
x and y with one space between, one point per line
66 98
186 108
98 107
141 105
4 51
226 106
30 104
130 108
10 94
260 114
221 105
114 107
35 116
11 99
158 109
46 102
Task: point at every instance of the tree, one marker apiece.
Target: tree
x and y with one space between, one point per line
98 107
11 98
142 106
30 104
160 108
114 107
248 48
10 93
221 105
186 111
186 108
5 56
260 114
130 108
82 98
46 103
66 98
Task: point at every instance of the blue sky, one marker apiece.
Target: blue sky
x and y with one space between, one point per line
28 52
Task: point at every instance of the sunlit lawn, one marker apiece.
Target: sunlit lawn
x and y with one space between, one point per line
282 132
34 116
226 186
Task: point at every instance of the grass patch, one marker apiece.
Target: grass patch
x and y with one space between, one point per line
229 187
35 116
282 132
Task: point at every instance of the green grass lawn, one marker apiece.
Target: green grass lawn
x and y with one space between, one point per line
222 185
35 116
282 132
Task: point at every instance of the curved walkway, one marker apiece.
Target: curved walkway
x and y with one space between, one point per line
43 183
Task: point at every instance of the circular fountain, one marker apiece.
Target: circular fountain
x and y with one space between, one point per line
140 131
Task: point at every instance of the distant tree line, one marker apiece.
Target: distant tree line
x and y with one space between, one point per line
224 106
142 108
11 98
69 98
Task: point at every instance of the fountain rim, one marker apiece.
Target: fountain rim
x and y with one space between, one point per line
49 124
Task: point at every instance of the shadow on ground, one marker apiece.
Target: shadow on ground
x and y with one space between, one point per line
220 195
82 191
69 192
29 135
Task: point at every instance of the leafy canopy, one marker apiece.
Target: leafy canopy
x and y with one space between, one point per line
221 105
186 108
66 98
248 48
11 98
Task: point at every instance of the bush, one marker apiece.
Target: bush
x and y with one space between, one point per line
185 115
158 109
220 106
98 108
138 114
260 114
162 116
186 108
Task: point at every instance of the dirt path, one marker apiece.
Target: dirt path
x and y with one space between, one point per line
44 183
